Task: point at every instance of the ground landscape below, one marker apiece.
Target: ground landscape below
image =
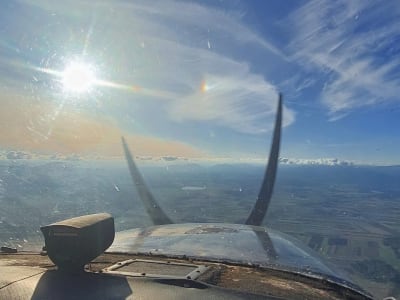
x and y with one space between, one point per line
348 214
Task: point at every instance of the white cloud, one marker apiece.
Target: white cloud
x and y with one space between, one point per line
242 101
250 160
353 44
316 161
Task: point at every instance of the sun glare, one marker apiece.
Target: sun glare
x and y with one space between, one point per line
78 77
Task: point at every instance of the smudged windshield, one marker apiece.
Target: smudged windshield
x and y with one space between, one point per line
192 87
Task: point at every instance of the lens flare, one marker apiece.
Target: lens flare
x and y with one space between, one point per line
79 77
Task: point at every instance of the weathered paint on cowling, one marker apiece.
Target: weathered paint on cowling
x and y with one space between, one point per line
225 242
232 243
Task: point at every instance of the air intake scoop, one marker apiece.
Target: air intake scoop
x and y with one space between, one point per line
72 243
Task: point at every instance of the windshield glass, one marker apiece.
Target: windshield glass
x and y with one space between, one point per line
193 86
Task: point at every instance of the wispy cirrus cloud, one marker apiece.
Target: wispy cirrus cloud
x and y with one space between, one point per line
240 100
352 45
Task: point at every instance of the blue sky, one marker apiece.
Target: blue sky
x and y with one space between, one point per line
200 79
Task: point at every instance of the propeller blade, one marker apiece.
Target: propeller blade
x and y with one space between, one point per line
266 243
264 197
154 210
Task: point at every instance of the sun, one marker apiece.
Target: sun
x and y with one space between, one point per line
78 77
